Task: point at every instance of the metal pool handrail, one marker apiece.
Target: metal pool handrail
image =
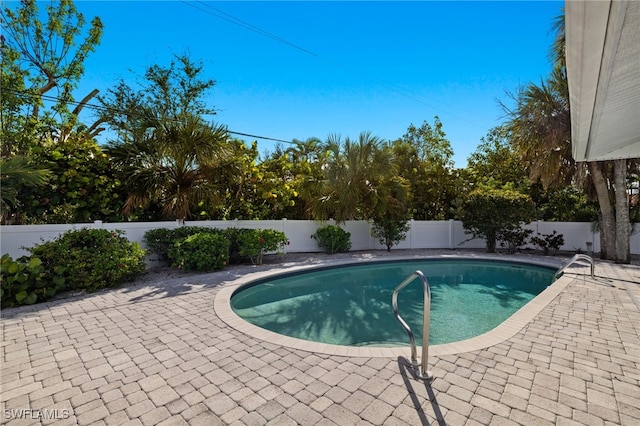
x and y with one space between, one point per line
573 260
423 374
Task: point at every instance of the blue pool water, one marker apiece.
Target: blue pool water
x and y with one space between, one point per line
351 305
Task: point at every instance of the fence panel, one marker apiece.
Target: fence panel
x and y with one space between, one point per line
461 239
578 236
423 234
429 234
13 238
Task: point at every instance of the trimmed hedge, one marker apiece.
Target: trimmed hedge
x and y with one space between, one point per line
202 248
202 251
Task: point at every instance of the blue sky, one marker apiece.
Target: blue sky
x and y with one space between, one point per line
353 67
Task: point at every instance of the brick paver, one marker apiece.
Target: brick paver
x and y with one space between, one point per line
157 353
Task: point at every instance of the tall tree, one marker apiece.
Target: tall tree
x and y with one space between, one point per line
430 142
171 157
166 93
423 158
173 164
43 55
358 182
42 63
495 163
541 128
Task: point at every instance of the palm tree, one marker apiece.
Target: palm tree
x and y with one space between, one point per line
358 182
541 129
16 172
173 163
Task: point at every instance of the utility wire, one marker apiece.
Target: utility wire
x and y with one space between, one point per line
214 11
101 108
211 10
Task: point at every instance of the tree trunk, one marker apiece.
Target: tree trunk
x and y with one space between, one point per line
623 225
607 213
491 241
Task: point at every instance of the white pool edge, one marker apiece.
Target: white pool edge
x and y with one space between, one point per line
507 329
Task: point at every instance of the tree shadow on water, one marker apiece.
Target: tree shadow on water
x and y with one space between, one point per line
348 315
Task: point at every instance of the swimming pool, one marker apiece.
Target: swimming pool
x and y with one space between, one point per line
351 304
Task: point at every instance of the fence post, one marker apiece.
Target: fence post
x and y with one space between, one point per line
451 234
411 223
284 231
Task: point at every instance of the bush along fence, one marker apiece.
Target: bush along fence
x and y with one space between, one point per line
577 236
92 258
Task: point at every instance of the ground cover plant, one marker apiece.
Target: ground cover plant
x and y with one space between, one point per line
84 259
24 282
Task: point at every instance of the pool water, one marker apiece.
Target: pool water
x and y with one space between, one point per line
351 305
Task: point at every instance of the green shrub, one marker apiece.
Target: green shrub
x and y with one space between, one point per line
242 245
333 239
513 239
203 251
235 236
548 242
390 232
161 239
25 282
92 258
158 241
487 213
254 243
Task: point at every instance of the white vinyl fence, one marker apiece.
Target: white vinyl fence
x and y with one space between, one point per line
423 234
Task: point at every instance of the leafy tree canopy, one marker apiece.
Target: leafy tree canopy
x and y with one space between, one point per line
167 93
37 57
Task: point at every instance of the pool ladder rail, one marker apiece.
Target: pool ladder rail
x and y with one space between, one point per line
423 373
572 261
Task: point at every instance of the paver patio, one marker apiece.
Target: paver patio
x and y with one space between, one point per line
156 353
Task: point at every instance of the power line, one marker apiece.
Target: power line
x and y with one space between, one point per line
211 10
101 108
214 11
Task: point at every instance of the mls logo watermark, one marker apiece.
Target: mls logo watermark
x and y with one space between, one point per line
28 413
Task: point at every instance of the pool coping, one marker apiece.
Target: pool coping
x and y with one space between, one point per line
504 331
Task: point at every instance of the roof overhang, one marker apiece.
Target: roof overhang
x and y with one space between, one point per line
603 73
